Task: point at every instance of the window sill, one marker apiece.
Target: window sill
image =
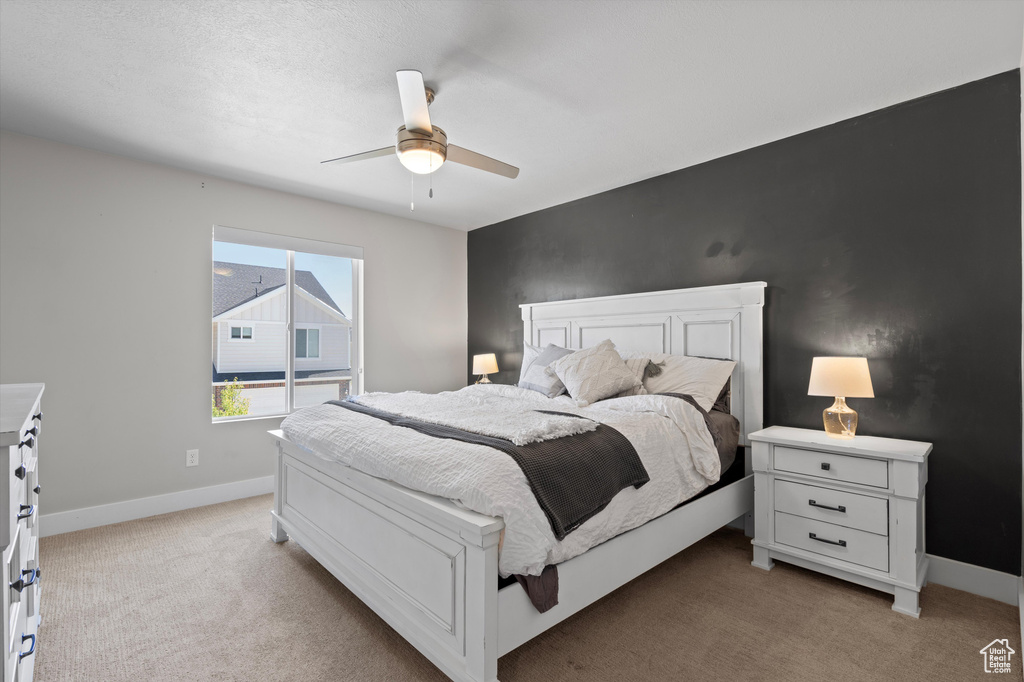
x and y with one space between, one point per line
232 420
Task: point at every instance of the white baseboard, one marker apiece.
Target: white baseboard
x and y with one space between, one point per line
104 514
1020 600
996 585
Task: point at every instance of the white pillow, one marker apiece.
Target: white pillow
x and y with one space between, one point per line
594 373
636 364
530 354
702 378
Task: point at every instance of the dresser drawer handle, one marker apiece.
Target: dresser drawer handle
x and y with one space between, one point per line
841 543
37 489
38 416
20 472
27 443
825 466
840 508
32 432
31 510
32 650
20 584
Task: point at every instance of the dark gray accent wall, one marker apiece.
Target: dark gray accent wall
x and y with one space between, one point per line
895 235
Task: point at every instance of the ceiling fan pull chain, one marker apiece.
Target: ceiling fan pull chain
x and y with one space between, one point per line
430 179
412 191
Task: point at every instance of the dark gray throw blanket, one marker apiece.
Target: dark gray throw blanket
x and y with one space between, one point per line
573 477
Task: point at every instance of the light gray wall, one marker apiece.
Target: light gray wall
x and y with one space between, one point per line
105 289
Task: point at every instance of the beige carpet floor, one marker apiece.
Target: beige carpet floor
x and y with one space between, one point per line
205 595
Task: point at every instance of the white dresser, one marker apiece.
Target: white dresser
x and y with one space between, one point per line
20 423
853 509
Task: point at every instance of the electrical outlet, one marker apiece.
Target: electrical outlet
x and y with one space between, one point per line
191 458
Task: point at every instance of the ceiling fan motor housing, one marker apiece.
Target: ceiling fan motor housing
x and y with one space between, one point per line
419 143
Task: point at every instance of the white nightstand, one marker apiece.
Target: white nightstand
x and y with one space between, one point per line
853 509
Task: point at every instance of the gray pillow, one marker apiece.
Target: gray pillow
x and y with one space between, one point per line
535 378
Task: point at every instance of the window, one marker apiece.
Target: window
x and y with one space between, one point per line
307 343
304 296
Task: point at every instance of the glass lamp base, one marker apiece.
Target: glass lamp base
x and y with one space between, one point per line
483 379
840 420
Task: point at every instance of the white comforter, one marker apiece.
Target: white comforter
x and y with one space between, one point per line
484 412
669 435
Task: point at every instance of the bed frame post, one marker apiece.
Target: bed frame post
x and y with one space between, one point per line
277 533
482 612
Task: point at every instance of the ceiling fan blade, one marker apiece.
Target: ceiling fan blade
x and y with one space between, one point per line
383 151
485 163
414 100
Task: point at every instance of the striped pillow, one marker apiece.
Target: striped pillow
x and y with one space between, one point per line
534 376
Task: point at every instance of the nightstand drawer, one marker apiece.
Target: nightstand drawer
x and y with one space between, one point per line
851 510
845 544
833 467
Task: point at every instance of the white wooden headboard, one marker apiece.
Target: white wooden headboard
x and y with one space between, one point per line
716 322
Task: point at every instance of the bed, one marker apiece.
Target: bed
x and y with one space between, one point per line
429 567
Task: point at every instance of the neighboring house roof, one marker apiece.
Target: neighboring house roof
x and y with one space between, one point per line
237 283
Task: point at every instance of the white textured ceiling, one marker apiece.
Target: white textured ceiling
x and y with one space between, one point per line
582 96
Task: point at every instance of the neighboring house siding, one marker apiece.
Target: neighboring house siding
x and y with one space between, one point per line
333 348
270 309
308 312
264 353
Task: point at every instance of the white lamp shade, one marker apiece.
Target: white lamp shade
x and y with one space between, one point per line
485 364
421 161
840 377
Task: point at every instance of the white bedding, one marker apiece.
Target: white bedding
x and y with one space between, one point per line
669 435
483 412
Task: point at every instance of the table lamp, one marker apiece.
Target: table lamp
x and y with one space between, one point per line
483 365
841 378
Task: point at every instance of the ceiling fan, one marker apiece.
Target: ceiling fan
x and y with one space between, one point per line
420 146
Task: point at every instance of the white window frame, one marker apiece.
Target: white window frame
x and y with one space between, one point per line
242 338
291 245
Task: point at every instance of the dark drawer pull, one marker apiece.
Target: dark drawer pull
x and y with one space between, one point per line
20 584
32 650
841 543
32 432
840 508
38 416
31 510
20 472
37 489
825 466
27 443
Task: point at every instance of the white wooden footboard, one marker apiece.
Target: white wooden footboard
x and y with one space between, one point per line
427 567
430 568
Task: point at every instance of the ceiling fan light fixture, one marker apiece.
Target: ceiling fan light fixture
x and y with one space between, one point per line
422 161
420 146
421 152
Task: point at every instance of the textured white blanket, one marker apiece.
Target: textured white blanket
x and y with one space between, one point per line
483 412
669 435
